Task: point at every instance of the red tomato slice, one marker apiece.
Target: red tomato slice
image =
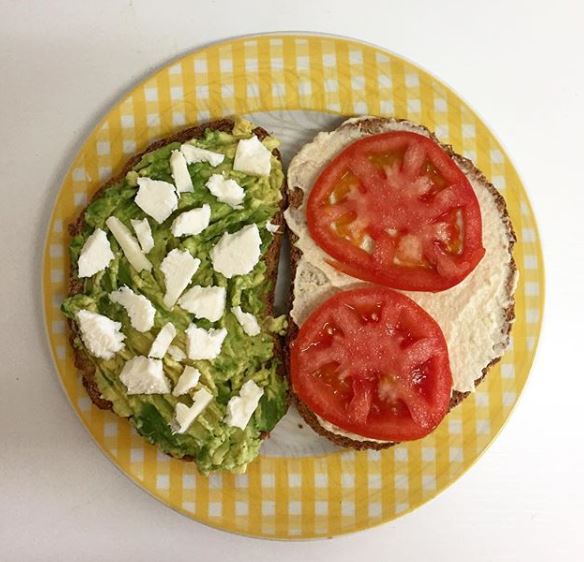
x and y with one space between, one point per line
372 362
395 209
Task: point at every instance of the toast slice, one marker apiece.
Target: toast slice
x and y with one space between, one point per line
314 280
275 400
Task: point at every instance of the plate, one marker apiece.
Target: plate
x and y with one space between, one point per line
301 486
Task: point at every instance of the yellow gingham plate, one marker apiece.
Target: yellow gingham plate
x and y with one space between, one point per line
300 487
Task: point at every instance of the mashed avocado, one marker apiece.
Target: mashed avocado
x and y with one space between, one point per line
209 441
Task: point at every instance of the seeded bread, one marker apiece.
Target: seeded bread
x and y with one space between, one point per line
370 126
82 361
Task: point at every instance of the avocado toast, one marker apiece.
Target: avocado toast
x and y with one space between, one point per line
173 268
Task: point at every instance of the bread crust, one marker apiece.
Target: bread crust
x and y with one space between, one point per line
295 197
82 361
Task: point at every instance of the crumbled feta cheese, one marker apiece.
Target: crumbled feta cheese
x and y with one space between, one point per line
185 416
273 228
101 335
195 154
139 308
142 375
237 253
156 198
226 190
95 255
247 321
143 233
180 172
204 302
178 268
128 244
204 344
187 381
252 157
162 341
191 222
241 408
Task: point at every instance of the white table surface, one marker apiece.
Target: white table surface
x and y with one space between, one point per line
63 63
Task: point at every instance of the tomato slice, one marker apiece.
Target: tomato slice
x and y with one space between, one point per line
372 362
395 209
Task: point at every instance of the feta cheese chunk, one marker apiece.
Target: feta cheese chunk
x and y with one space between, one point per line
143 233
162 341
185 416
237 253
226 190
191 222
180 172
204 302
178 268
241 408
203 344
247 321
95 255
101 335
142 375
156 198
139 308
252 157
176 353
195 154
128 244
273 228
187 381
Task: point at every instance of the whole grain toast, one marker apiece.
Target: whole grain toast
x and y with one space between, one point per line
81 359
371 125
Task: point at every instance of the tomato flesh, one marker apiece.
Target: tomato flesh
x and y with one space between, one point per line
395 209
372 362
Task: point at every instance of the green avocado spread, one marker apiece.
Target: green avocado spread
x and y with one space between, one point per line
209 440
